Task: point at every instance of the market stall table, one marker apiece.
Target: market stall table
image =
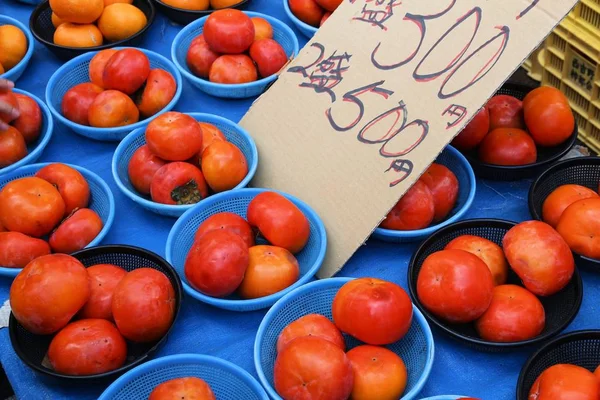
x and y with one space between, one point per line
230 335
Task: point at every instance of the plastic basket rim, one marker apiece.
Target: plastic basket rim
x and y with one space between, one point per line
30 46
98 131
445 397
141 360
261 301
326 283
478 341
44 4
303 26
237 86
13 272
45 138
546 174
185 358
566 337
200 12
134 196
382 232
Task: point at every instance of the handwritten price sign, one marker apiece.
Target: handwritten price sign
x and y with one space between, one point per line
377 94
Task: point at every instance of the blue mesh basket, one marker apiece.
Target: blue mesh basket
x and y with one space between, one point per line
101 201
15 73
458 164
35 149
306 29
182 234
76 71
281 33
416 349
227 381
120 162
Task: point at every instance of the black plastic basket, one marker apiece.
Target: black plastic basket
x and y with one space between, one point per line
40 24
581 348
32 348
584 171
545 155
561 308
184 17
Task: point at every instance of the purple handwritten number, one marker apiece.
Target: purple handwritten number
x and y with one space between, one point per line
420 21
529 8
458 112
324 74
401 166
373 13
353 96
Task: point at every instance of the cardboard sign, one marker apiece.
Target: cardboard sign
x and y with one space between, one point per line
377 94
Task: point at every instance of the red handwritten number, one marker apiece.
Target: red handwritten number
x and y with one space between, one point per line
420 21
353 97
476 12
302 70
503 36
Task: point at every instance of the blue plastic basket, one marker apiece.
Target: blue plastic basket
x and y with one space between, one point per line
101 201
15 73
458 164
181 238
32 2
306 29
416 349
120 162
35 149
227 381
76 71
281 33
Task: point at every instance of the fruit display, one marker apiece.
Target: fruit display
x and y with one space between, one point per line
312 348
23 130
46 213
183 388
183 161
91 23
466 282
574 211
13 47
508 131
430 200
95 313
313 12
234 48
226 257
123 90
566 381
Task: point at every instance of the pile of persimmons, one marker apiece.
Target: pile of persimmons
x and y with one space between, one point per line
91 311
123 88
311 351
89 23
313 12
507 131
182 159
234 48
225 258
45 213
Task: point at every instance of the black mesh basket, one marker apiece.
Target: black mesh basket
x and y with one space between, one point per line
32 348
184 17
545 155
581 348
561 308
584 171
40 24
